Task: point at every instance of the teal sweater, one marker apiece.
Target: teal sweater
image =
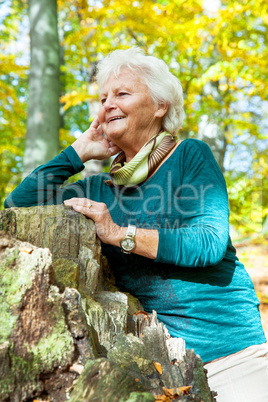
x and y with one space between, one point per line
200 290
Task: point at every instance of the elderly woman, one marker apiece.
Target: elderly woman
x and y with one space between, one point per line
162 218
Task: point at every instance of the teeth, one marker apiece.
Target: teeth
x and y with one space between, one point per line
115 118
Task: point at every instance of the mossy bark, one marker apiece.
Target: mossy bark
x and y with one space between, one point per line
60 312
34 336
70 237
102 380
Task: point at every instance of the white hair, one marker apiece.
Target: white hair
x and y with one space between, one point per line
163 86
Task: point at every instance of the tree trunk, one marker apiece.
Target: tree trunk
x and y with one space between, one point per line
265 226
61 314
42 138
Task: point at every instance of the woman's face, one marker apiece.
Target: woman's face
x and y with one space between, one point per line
128 116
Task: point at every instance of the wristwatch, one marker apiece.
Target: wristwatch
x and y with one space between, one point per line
128 242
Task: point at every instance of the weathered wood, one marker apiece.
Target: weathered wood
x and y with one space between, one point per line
147 358
70 237
34 337
61 311
102 380
175 346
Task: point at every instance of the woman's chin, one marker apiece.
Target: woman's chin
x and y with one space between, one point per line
113 136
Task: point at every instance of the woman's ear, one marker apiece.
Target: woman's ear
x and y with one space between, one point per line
162 109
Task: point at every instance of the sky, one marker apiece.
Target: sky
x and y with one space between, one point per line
4 8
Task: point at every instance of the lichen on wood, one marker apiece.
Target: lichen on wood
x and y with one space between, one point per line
102 380
60 312
35 339
70 237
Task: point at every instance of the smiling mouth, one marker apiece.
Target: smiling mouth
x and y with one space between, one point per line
115 118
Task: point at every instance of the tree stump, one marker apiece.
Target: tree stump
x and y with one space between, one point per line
70 237
61 315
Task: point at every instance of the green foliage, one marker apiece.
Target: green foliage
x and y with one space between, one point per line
226 49
13 97
248 196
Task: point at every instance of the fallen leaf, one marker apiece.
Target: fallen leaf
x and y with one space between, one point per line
158 367
185 390
140 312
170 392
27 250
40 400
162 398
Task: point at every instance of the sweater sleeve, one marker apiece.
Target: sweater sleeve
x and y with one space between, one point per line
43 185
202 204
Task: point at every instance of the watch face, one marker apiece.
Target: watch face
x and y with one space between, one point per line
127 244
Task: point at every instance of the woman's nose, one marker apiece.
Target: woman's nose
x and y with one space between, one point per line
109 103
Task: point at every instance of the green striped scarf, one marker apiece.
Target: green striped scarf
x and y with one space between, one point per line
144 163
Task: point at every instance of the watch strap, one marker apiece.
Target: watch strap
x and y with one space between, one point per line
131 230
130 234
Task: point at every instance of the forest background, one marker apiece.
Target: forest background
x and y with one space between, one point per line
218 49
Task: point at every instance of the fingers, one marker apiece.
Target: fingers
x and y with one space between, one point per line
113 148
77 201
83 210
99 213
87 207
82 205
96 127
95 124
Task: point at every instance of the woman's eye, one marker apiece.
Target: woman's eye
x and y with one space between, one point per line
122 93
103 100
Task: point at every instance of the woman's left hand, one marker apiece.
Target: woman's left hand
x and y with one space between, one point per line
107 231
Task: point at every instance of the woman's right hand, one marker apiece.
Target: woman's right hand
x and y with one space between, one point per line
92 144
